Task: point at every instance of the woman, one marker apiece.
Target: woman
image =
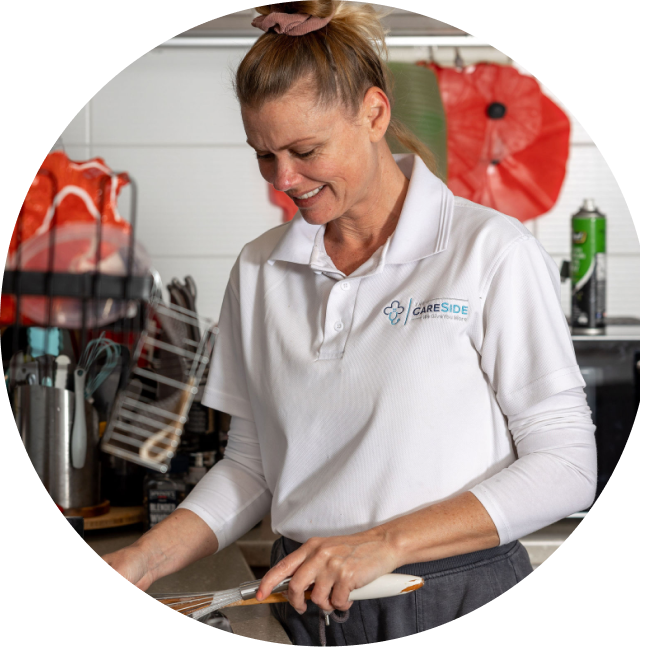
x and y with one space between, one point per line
401 379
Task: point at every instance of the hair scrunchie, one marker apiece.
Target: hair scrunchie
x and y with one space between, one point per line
290 24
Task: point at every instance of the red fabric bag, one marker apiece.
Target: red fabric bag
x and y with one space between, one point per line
65 192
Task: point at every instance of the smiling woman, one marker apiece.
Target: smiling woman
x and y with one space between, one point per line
336 168
367 465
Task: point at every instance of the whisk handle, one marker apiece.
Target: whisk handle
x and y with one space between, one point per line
249 589
383 587
274 598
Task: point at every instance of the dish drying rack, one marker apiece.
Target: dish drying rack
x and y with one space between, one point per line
148 418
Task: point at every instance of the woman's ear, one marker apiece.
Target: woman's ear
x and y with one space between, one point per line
376 113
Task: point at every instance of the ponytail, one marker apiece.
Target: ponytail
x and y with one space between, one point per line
405 137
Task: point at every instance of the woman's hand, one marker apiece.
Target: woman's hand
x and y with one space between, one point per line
177 541
338 565
335 566
132 563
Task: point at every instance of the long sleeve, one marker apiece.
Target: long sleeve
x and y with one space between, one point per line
555 471
233 496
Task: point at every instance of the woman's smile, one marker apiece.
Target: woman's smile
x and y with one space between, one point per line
308 199
310 193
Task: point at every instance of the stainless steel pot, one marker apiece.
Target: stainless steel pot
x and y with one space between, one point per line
44 416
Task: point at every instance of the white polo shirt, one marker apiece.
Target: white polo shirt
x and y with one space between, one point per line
372 395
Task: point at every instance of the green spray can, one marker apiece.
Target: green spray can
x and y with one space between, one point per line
588 270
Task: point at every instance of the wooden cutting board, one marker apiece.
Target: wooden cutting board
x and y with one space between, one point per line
116 516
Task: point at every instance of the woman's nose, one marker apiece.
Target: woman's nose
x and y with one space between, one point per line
285 176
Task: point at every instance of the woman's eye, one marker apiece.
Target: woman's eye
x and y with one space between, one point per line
269 156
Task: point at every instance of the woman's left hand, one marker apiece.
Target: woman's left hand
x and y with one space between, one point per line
335 566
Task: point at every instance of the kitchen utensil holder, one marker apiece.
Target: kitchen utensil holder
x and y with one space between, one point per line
147 422
45 416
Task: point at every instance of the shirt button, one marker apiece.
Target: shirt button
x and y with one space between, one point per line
338 326
345 285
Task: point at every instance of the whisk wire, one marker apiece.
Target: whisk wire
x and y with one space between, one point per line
198 605
90 358
222 602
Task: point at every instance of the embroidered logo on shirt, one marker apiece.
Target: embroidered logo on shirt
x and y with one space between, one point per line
394 310
438 308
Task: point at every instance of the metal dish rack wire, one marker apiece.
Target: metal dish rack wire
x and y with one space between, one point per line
150 414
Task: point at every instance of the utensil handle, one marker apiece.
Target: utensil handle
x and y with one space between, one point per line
61 372
79 439
274 598
385 586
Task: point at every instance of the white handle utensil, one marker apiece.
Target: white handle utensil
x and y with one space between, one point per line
197 605
387 586
61 373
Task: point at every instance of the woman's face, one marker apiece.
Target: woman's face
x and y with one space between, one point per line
326 161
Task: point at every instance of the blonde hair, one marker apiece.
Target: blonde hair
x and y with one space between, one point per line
342 61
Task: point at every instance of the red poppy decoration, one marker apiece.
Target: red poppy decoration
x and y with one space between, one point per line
525 184
508 143
465 112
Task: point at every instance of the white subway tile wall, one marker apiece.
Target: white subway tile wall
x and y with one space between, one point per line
195 201
78 130
171 96
171 120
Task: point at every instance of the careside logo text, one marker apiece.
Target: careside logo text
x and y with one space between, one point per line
416 310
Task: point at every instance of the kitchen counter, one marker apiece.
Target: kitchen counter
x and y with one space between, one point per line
543 543
224 570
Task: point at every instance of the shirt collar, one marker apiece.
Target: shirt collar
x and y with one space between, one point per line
422 229
425 221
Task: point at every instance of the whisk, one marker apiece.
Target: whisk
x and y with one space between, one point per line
94 351
197 605
83 390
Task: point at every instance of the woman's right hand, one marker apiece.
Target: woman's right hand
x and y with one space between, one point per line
132 563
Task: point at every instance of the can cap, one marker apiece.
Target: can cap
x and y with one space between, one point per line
589 205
